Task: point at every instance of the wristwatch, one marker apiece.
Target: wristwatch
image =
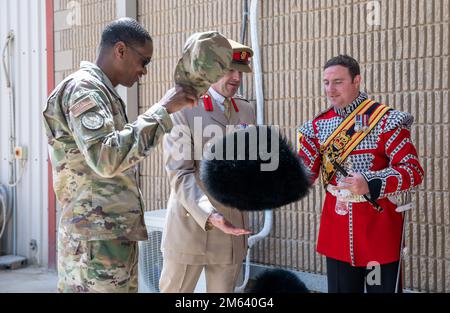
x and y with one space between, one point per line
208 225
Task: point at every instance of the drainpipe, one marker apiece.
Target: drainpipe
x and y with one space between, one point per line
268 214
6 59
244 34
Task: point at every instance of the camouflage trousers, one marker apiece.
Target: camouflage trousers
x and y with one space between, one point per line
96 266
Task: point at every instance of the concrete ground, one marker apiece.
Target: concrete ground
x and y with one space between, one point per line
30 279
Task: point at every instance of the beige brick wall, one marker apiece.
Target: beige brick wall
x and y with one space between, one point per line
78 27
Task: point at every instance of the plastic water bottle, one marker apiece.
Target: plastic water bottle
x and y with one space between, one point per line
341 206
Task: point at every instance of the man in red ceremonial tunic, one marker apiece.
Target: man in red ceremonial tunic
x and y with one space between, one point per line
372 142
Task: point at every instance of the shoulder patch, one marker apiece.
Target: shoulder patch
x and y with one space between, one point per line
82 105
92 120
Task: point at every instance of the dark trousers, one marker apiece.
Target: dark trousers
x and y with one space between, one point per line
342 278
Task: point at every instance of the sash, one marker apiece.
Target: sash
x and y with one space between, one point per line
345 138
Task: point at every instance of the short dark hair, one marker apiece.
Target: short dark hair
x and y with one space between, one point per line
125 29
346 61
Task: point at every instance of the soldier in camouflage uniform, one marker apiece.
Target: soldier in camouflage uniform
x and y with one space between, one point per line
94 150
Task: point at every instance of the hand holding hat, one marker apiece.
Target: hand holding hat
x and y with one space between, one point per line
206 58
178 98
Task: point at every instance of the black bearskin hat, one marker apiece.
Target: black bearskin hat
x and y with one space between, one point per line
278 281
262 171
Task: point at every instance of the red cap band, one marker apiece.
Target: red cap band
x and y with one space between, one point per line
241 57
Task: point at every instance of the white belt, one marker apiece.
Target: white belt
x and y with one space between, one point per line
357 198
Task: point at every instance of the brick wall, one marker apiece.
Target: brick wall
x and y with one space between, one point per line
404 61
78 27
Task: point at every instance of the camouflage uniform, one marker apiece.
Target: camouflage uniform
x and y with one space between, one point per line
96 265
94 150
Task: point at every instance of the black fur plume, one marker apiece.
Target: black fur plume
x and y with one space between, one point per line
242 180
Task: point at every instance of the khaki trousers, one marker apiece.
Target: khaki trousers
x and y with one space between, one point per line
176 277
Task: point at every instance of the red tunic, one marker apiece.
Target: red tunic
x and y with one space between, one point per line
388 160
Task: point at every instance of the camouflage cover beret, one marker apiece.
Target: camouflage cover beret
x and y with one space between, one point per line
206 58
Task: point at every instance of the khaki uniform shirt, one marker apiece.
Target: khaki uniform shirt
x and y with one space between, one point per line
185 239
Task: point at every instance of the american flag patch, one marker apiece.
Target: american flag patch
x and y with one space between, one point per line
82 106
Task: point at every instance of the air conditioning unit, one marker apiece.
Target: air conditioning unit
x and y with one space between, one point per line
150 255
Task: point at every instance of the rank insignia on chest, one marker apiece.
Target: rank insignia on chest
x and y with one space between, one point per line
361 122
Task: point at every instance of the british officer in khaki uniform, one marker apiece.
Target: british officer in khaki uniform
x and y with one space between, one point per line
200 233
